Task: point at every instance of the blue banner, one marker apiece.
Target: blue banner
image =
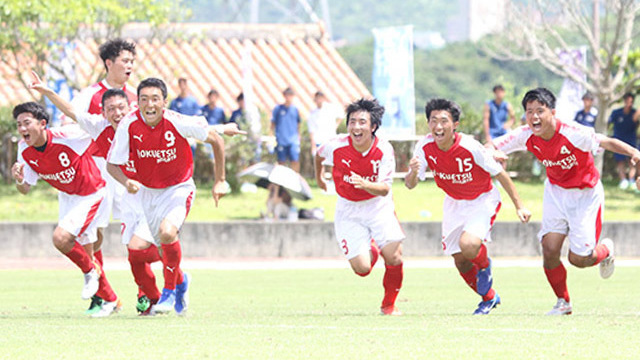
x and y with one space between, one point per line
393 83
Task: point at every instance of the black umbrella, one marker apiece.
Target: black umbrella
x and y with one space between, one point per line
262 174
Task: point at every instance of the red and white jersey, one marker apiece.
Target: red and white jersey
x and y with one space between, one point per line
161 153
102 133
65 162
375 165
464 171
567 156
89 100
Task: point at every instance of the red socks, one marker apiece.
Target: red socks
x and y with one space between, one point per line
470 278
392 283
105 291
481 260
142 273
601 253
79 257
557 278
172 254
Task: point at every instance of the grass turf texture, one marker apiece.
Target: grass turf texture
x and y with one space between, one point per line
411 205
295 314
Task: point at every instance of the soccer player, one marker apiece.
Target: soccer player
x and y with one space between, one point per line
365 221
463 168
573 199
156 140
60 157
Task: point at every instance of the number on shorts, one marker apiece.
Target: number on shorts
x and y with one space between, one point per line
344 246
171 139
64 159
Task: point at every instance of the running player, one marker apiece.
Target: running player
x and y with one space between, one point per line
60 157
118 57
365 221
463 168
573 199
156 140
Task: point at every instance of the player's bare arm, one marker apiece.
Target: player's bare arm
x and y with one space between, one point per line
512 118
523 213
373 188
411 179
230 129
620 147
116 172
219 186
40 86
17 172
319 178
485 123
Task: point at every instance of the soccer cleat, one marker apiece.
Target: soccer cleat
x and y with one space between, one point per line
562 307
166 303
390 310
624 184
143 304
484 280
94 307
182 294
485 307
607 265
91 284
108 308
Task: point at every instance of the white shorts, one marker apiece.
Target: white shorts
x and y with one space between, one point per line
132 220
78 213
172 203
472 216
356 223
576 213
102 221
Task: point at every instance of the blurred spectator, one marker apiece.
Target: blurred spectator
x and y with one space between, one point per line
285 123
587 116
213 113
498 115
185 103
625 125
323 121
279 204
248 118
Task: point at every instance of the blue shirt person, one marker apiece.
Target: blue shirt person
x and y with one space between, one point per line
213 113
185 103
587 116
285 123
625 126
498 115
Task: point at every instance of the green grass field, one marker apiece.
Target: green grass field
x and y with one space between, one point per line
411 205
325 314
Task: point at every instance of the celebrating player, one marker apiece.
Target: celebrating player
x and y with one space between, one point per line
365 220
60 157
463 168
155 139
573 199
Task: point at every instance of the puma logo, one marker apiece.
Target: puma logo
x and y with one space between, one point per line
172 269
34 162
138 137
537 148
347 162
434 159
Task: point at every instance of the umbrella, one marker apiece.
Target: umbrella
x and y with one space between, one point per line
264 173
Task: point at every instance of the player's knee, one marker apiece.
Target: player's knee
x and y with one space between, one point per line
579 261
550 252
168 234
62 240
361 268
393 259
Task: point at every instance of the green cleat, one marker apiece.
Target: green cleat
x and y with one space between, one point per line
143 304
95 306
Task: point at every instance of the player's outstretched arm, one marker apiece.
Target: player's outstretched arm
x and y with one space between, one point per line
17 172
116 172
411 179
40 86
318 167
229 129
219 185
620 147
523 214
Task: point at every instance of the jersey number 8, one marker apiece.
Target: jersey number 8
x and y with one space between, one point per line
64 159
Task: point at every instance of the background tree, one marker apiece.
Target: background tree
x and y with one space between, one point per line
32 30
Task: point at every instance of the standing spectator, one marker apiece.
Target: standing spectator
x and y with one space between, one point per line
587 116
625 125
185 103
323 121
247 117
212 112
498 115
285 123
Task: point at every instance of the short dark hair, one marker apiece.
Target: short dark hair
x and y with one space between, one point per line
587 95
182 79
153 82
371 106
629 95
213 92
443 104
319 94
498 87
240 97
38 111
288 91
113 48
541 95
113 93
